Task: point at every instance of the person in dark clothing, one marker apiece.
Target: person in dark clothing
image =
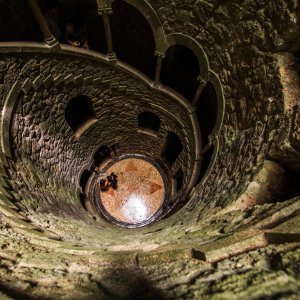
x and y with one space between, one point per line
104 184
76 33
114 180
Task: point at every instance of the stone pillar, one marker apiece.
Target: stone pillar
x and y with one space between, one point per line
48 36
104 13
202 84
160 58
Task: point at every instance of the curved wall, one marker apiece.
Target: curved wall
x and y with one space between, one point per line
41 134
237 237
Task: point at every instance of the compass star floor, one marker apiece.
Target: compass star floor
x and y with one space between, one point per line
140 191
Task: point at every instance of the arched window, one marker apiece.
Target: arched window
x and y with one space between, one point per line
133 38
172 149
101 154
149 120
207 109
179 179
84 178
79 114
180 70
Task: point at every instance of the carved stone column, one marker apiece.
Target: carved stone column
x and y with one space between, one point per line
104 13
48 36
202 84
160 58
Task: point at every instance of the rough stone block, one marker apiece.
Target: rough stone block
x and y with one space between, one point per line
37 83
58 80
48 81
26 86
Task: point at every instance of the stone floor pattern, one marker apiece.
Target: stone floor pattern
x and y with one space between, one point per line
140 191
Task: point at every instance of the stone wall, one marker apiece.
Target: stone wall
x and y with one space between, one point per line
241 40
201 252
42 136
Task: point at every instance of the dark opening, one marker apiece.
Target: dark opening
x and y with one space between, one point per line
84 178
179 179
173 148
101 154
149 120
180 70
17 23
291 188
83 181
207 109
78 112
133 38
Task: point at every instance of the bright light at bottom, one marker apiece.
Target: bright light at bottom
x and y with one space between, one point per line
135 209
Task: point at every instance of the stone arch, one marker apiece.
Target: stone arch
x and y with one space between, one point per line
192 44
151 16
180 70
211 150
7 117
215 81
79 114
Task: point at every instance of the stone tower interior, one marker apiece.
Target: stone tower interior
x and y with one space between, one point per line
204 92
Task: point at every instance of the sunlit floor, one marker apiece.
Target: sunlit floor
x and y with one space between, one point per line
140 191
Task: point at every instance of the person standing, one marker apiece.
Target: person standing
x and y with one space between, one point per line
76 33
114 180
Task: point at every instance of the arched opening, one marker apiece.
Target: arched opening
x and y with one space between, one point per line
179 179
84 178
133 38
180 70
60 13
148 120
79 114
291 187
101 155
17 22
172 149
207 110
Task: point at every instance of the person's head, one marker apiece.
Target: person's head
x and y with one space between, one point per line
102 182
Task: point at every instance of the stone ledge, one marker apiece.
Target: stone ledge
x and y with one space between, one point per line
257 241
